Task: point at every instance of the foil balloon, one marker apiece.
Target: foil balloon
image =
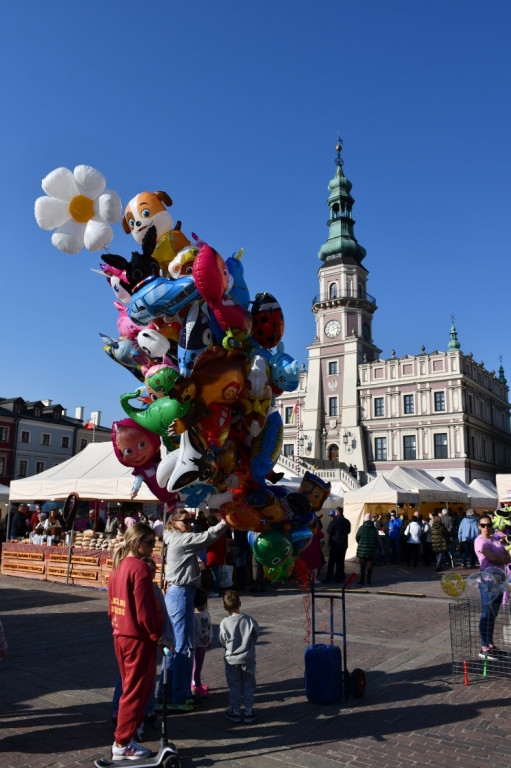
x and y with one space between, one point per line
137 447
272 548
149 209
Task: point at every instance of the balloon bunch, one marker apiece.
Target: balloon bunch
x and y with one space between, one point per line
208 363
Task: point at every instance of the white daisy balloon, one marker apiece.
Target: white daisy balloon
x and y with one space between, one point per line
79 208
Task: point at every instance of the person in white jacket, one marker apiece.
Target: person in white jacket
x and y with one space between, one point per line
413 532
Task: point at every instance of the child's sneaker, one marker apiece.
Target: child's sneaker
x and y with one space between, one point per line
201 690
234 715
131 751
249 716
486 653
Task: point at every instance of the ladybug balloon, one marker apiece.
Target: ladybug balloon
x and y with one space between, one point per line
267 320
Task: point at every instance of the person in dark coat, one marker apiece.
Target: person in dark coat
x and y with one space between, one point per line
439 540
338 531
367 549
19 523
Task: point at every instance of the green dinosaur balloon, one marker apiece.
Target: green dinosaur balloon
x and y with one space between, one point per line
157 417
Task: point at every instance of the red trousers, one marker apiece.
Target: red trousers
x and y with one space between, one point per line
137 660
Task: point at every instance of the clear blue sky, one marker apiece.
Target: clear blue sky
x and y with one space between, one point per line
234 109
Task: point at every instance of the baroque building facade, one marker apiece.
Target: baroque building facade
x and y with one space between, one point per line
438 411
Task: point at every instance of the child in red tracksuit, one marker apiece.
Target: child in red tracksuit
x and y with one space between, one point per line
137 623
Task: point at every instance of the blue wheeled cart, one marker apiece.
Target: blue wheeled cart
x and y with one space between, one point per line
327 680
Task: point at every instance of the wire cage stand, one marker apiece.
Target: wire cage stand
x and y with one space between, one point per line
465 617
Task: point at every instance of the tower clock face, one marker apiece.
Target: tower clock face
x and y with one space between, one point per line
333 329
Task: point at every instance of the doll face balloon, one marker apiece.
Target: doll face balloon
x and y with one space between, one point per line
133 446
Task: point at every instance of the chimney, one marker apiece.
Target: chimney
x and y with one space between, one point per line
79 412
95 416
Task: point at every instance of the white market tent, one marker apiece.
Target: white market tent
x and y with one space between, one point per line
476 498
486 486
426 486
4 492
94 473
380 491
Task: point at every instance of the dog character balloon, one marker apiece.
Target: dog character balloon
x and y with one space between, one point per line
149 209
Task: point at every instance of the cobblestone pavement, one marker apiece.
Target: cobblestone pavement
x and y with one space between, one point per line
56 684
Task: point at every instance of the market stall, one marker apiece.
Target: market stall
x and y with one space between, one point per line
478 499
432 494
378 498
94 474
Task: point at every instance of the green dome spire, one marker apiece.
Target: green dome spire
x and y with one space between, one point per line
453 343
502 378
342 244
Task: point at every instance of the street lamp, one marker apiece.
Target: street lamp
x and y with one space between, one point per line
346 437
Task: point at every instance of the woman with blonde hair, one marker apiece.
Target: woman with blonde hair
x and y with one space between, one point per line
137 623
183 576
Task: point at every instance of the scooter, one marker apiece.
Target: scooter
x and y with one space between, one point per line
167 756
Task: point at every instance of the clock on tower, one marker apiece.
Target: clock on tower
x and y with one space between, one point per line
333 329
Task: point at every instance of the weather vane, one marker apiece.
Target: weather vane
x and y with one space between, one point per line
338 159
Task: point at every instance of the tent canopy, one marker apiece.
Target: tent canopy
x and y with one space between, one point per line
94 473
379 491
4 492
475 498
426 486
487 487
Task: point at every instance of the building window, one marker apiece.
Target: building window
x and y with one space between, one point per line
439 401
288 417
83 443
379 407
408 403
65 441
380 448
25 437
441 446
22 468
4 434
39 466
2 465
332 291
409 450
45 438
332 368
332 406
288 449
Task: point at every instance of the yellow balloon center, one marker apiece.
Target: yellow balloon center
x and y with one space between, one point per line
81 208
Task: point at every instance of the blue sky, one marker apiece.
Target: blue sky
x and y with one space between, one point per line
234 109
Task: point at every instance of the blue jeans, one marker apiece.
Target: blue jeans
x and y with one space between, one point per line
490 607
179 602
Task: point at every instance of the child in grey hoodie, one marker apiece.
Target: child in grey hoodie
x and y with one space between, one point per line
238 634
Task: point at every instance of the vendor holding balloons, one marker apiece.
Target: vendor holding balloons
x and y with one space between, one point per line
183 576
490 552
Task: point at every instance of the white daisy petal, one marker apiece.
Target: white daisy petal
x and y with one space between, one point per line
69 237
60 183
89 181
109 206
97 235
50 212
